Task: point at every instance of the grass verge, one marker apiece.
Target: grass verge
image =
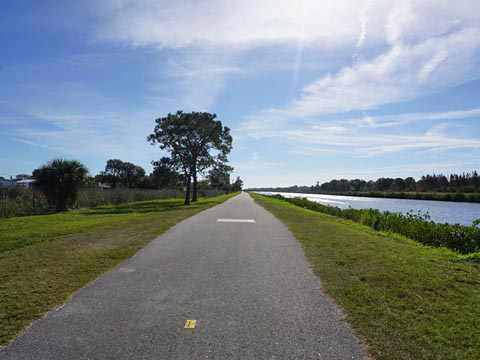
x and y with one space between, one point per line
406 300
44 259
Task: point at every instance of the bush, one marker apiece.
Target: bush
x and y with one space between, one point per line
468 189
60 180
18 201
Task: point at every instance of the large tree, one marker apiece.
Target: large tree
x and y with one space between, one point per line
121 172
195 141
60 180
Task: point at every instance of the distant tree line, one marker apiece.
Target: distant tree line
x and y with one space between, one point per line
165 175
463 183
466 182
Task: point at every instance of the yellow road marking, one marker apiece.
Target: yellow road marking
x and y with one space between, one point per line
190 324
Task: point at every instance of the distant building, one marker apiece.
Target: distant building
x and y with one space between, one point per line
7 183
27 183
102 185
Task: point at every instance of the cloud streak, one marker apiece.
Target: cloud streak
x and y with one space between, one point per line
227 24
402 73
366 136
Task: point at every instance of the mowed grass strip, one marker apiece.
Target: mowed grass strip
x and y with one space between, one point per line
44 259
404 299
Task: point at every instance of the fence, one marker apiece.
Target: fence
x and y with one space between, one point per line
18 201
213 193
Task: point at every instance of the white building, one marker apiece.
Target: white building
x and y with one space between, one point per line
28 183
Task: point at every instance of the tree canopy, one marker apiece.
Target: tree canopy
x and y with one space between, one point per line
195 141
219 176
121 172
165 174
237 184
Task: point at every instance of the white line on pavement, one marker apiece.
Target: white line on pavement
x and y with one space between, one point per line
236 220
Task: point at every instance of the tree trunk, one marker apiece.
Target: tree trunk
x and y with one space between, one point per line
194 196
187 194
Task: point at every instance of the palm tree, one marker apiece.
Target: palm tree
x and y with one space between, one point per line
60 180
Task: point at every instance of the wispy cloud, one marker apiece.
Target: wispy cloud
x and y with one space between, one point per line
404 72
200 77
211 39
82 134
227 24
372 136
385 121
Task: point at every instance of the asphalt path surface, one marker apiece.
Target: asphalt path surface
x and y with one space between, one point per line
247 285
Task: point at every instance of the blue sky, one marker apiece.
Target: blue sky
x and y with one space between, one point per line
311 90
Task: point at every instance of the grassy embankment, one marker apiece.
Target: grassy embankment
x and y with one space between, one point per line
405 299
44 259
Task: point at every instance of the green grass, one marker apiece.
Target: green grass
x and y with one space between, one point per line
404 299
44 259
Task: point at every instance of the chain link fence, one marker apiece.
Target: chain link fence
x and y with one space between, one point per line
18 201
214 193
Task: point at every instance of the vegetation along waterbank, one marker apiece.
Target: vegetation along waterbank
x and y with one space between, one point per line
462 239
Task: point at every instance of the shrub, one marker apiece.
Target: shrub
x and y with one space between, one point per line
60 181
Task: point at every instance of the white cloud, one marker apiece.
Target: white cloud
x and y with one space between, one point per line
78 133
228 24
200 77
368 138
211 39
432 64
425 46
404 72
255 156
386 121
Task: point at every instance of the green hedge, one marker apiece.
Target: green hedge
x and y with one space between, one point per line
460 238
